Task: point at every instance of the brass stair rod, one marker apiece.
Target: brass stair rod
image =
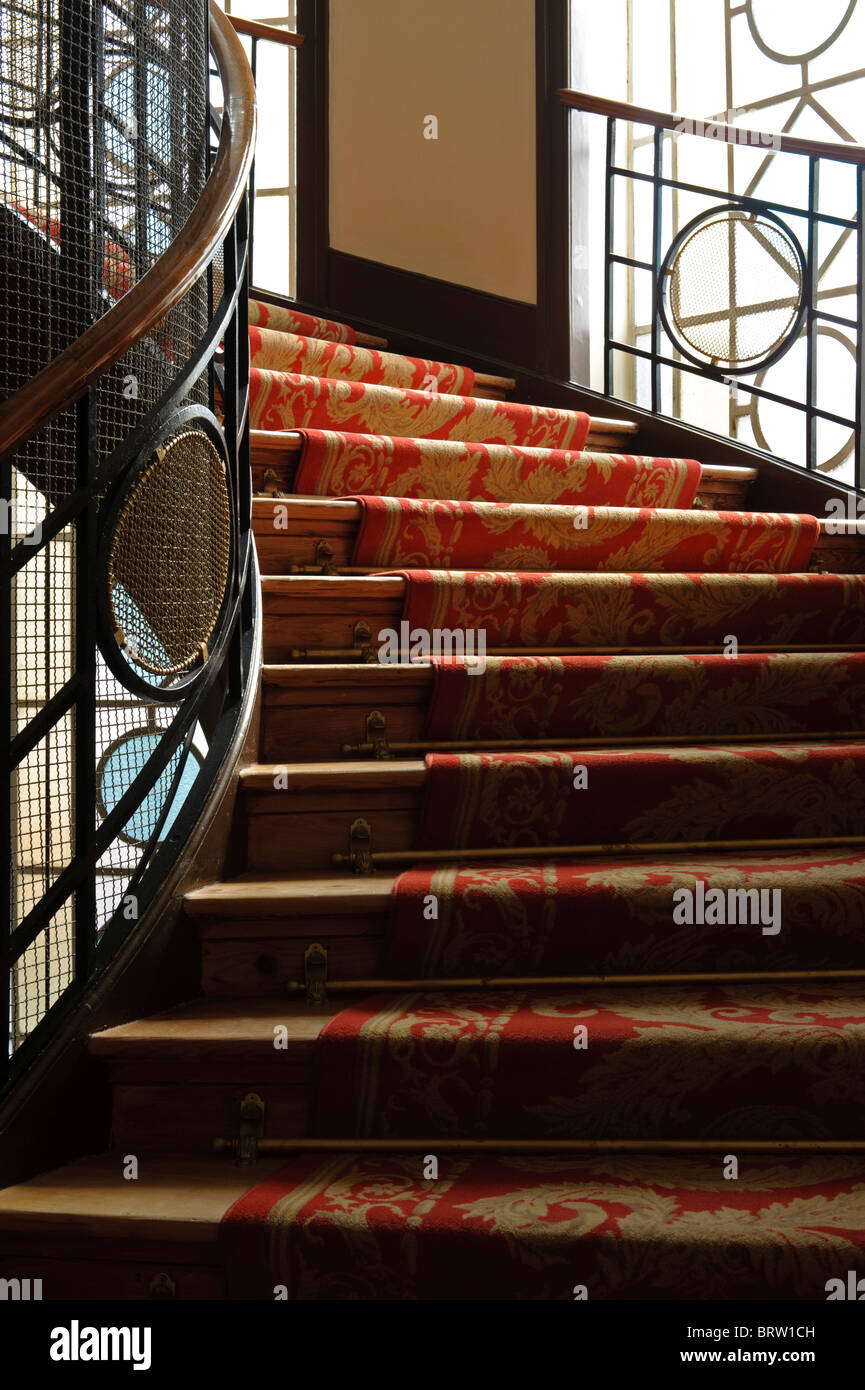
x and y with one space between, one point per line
307 653
576 742
672 847
439 1145
578 981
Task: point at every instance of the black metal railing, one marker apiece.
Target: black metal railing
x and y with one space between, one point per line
128 614
748 277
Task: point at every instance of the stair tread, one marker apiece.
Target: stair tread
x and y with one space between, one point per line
214 1027
272 894
401 772
211 1029
411 772
174 1198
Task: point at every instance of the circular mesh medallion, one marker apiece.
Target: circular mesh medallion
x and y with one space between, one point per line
169 557
733 289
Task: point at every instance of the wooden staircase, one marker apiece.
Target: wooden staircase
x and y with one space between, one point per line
178 1079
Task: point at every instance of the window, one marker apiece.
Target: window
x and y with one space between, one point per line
776 67
274 211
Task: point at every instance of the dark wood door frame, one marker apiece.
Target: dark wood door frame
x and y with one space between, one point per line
553 330
313 152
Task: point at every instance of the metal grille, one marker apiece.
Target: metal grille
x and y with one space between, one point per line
102 158
169 557
103 155
734 288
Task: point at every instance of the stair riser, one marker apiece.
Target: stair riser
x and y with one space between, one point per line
265 955
285 540
117 1274
185 1118
322 624
167 1117
311 724
318 731
625 800
289 832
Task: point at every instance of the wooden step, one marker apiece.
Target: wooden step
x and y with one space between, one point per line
338 618
303 534
89 1233
492 388
324 712
255 929
312 711
298 815
329 614
840 548
279 449
178 1078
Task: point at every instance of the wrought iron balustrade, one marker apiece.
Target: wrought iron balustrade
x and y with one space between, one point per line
749 290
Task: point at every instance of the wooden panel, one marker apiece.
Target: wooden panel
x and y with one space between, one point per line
116 1275
313 719
186 1119
315 895
253 963
309 839
466 318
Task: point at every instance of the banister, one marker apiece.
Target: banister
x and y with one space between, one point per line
846 152
253 28
68 376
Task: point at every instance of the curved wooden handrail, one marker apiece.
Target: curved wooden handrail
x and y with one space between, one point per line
848 153
69 375
254 29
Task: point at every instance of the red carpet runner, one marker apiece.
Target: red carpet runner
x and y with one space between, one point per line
616 916
349 1227
338 464
758 1061
639 610
283 352
284 401
285 320
599 564
527 536
664 694
641 796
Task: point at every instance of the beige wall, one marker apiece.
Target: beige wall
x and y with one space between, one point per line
460 208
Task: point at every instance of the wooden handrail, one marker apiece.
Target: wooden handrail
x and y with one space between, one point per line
256 30
847 153
69 375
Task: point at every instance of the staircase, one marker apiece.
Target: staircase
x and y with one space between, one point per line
539 972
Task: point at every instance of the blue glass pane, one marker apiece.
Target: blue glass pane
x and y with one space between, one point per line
123 765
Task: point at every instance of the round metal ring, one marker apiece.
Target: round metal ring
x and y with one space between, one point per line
167 559
721 261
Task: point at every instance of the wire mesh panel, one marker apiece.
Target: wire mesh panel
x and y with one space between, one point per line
168 561
733 288
103 156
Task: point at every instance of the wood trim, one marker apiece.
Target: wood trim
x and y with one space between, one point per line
65 379
256 30
313 152
552 326
704 126
430 308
